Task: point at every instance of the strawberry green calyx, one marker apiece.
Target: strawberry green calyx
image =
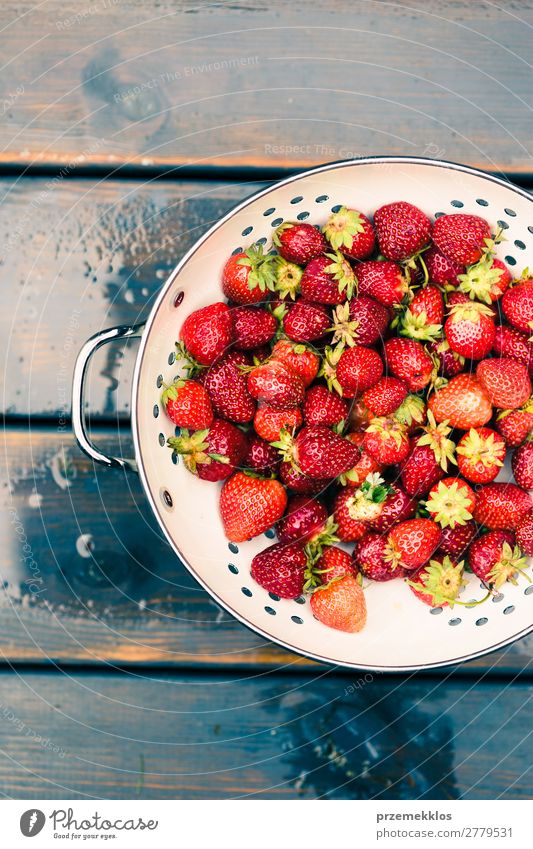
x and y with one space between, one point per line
170 391
417 327
449 504
262 269
481 449
328 369
481 279
313 551
342 272
190 365
327 536
366 502
511 564
288 276
387 427
194 449
287 448
341 227
442 581
287 225
470 312
344 329
436 436
411 411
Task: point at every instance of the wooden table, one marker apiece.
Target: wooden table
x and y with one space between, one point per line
126 129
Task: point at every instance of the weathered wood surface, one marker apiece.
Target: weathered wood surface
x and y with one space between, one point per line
140 736
98 584
264 84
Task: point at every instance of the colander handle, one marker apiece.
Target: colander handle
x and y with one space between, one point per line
78 394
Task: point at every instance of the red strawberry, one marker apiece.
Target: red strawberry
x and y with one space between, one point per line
387 441
420 470
322 407
501 506
517 306
447 362
305 322
438 584
385 396
365 465
480 454
261 456
495 559
402 230
365 321
298 482
424 318
297 357
268 423
354 371
382 280
187 404
410 544
299 242
248 276
334 563
461 238
304 518
213 453
470 330
319 452
360 415
524 534
515 425
340 605
509 342
328 280
463 402
397 507
353 509
451 502
505 381
276 385
250 505
455 541
253 327
487 280
281 569
442 270
522 464
350 232
207 333
409 361
226 385
369 557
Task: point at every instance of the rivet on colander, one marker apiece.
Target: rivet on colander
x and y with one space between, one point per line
236 251
247 231
321 198
233 569
528 590
233 548
482 621
510 212
300 600
530 228
245 591
175 457
166 498
274 597
520 244
171 358
302 216
161 438
336 207
269 211
503 225
262 241
436 610
455 621
457 203
270 610
510 260
497 598
276 222
509 609
482 202
155 411
439 214
159 381
297 620
297 199
178 298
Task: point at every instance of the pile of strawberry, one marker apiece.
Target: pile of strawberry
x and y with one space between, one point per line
363 384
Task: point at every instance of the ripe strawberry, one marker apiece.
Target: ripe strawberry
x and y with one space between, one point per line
281 569
322 407
305 322
353 371
369 558
365 321
461 238
226 386
274 384
487 280
383 280
409 361
515 425
524 534
299 242
495 559
455 541
387 441
420 470
366 464
353 509
287 278
438 584
522 464
397 507
328 280
447 362
463 402
509 342
213 453
517 306
248 277
261 456
505 381
187 404
207 333
299 358
470 330
501 506
441 270
451 502
410 544
253 327
304 518
300 483
334 563
360 415
268 423
340 605
319 452
480 454
385 396
424 318
250 505
402 230
350 232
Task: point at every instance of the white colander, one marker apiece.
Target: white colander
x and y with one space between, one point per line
401 633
